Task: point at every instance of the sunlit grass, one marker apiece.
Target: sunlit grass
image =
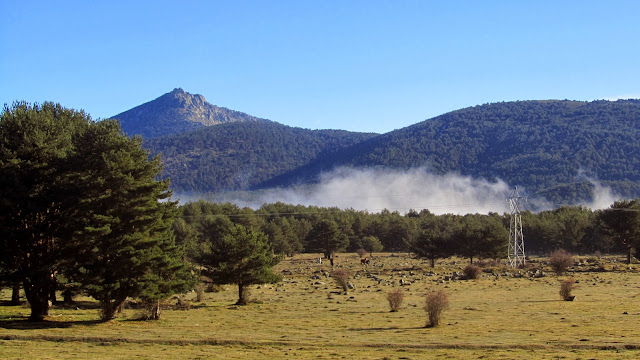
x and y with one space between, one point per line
498 317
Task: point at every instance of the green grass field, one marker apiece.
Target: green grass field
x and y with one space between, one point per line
494 317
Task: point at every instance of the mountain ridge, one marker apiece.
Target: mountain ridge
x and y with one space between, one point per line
551 147
177 112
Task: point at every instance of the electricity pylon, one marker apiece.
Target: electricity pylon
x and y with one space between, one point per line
516 241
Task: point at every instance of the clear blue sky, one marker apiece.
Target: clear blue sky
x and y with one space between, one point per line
354 65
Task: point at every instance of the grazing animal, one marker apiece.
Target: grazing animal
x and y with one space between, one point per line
365 261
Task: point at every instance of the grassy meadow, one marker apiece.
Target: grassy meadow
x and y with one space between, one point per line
498 316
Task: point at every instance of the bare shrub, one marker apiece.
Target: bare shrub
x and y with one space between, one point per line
471 272
560 260
181 303
361 252
214 288
566 286
395 298
436 302
488 263
199 292
341 276
149 310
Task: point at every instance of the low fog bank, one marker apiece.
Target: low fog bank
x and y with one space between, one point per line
375 189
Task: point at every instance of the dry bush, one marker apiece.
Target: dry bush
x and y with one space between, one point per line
436 302
361 252
181 304
488 263
560 260
395 298
199 292
566 286
214 288
149 310
471 272
341 277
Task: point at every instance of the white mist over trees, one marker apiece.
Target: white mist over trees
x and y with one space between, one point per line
377 189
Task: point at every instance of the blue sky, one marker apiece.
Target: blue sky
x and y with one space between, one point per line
369 65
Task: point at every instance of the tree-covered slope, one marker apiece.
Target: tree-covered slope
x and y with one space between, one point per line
237 156
549 147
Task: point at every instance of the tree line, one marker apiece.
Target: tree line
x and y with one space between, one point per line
292 229
82 210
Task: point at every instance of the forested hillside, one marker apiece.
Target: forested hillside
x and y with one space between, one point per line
551 148
237 155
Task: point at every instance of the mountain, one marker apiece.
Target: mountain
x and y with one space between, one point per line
240 156
554 149
177 112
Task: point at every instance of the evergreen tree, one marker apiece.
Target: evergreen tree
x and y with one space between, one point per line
622 222
434 240
79 203
169 274
129 250
325 237
38 200
371 244
481 236
242 257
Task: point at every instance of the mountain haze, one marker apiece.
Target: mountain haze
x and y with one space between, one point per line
177 112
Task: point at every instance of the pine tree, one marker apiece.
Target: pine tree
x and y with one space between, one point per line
37 196
622 222
371 244
129 249
79 201
242 257
325 237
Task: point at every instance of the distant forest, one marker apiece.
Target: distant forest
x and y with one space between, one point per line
243 155
552 149
295 228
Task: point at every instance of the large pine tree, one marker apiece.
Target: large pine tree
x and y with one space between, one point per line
129 250
37 196
78 198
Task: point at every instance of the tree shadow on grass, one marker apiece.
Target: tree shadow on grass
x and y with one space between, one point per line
386 328
78 305
8 303
11 323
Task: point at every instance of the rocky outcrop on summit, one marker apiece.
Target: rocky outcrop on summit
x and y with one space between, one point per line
174 113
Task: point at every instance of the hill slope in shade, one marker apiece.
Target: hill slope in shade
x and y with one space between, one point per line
177 112
240 156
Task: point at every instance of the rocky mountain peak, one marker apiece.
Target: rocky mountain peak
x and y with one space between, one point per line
176 112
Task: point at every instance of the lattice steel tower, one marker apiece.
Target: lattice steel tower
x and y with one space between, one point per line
516 241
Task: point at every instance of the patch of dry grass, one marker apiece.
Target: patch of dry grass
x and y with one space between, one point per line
497 315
